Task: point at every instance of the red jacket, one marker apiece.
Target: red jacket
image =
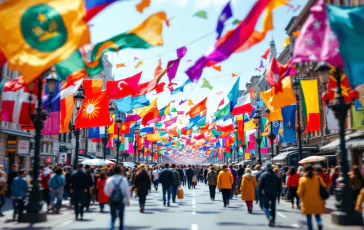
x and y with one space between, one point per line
101 196
293 180
324 177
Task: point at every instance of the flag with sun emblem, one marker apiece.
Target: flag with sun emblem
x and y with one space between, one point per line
94 111
41 33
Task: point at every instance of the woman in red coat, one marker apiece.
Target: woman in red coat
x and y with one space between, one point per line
102 197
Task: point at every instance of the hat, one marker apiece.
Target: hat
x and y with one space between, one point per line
268 165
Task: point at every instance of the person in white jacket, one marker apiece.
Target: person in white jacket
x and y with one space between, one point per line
114 184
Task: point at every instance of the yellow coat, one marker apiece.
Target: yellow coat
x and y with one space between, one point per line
247 188
359 201
225 179
309 192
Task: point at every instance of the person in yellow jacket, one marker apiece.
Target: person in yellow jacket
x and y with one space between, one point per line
225 182
359 201
247 189
309 192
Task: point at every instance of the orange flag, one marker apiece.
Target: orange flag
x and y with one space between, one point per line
234 75
296 33
198 108
217 67
138 64
142 5
66 113
120 65
190 102
91 86
159 69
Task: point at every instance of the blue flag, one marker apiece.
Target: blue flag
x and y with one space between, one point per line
276 125
147 130
348 24
128 103
233 94
181 87
225 15
94 132
289 123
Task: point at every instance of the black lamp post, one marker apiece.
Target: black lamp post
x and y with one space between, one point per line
78 97
297 87
118 121
258 136
105 139
271 135
34 207
136 133
345 213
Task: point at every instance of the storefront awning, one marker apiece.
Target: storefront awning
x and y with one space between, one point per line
16 133
283 156
353 140
355 143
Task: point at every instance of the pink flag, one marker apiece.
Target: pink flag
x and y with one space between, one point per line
317 42
251 141
170 122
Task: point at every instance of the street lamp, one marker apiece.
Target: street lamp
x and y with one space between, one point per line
345 213
136 133
258 136
118 121
78 97
106 137
271 135
297 87
34 207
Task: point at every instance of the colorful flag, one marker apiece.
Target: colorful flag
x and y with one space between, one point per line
91 86
243 105
143 110
348 22
181 88
94 7
233 94
125 128
52 104
15 102
165 111
316 41
159 69
358 119
221 103
94 111
41 32
170 122
129 103
222 112
345 87
240 133
275 73
73 67
206 84
94 132
173 65
225 15
289 123
122 88
310 93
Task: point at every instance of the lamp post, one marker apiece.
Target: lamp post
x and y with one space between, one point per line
136 133
297 87
105 139
345 213
271 135
78 97
34 207
258 136
118 121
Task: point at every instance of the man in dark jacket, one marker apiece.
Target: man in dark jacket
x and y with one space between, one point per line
166 178
189 175
177 182
268 190
205 171
79 186
240 172
11 177
89 181
180 172
235 175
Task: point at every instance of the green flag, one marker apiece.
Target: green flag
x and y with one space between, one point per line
201 14
358 119
222 112
206 84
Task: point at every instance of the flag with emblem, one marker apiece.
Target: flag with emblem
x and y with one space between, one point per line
122 88
15 102
94 111
125 128
41 33
289 123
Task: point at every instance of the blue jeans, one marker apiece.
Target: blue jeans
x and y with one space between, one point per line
269 206
113 210
174 192
309 221
184 181
156 182
56 194
102 205
232 191
167 190
65 194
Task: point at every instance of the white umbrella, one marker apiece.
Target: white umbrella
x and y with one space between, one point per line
110 162
94 162
311 159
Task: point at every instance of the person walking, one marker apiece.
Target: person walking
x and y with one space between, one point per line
90 179
11 177
177 183
3 189
206 170
56 184
225 182
181 174
279 184
189 175
333 179
356 181
240 172
156 178
102 198
247 189
166 178
235 176
117 188
19 190
257 172
292 184
268 190
66 189
79 187
212 181
308 191
142 184
184 176
45 177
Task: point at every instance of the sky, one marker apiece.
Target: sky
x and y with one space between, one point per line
198 35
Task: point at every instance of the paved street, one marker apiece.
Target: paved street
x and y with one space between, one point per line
195 212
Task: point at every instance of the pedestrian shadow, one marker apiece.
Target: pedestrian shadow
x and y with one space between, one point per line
27 228
283 226
207 212
239 224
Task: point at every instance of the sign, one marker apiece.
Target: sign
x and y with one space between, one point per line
11 145
23 147
92 147
62 158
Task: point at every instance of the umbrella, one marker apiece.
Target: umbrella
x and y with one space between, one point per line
311 159
94 162
110 163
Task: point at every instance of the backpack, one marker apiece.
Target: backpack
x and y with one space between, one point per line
117 196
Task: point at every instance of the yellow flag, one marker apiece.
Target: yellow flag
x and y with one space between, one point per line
142 111
37 34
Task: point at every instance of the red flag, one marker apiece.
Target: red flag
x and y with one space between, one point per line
150 115
159 69
91 86
265 55
125 128
221 103
275 73
198 108
94 111
122 88
160 87
2 59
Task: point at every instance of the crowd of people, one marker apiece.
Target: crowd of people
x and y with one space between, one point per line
266 185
